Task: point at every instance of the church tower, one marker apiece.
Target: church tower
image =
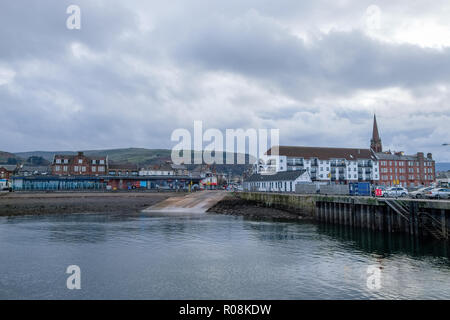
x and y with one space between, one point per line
375 142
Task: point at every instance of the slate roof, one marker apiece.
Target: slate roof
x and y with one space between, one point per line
324 153
279 176
393 156
9 167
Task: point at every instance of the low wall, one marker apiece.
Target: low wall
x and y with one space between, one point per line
303 205
305 188
334 189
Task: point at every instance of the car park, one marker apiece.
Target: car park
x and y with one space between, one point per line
395 192
438 193
420 193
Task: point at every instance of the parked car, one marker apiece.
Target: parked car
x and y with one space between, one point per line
438 193
378 191
420 193
395 192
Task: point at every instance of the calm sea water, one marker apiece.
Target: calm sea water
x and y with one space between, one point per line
211 257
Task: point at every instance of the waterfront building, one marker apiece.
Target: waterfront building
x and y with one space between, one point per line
327 165
123 169
79 165
345 165
7 170
29 170
105 182
163 169
279 182
396 168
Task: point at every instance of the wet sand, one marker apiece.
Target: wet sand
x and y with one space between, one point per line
16 203
233 205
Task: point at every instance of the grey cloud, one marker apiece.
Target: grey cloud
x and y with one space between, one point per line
232 64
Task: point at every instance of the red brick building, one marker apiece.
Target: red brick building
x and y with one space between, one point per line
6 171
396 168
64 165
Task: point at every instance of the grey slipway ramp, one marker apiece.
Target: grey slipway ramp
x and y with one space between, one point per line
197 202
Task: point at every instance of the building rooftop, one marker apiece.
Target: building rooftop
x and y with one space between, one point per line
324 153
397 156
9 167
280 176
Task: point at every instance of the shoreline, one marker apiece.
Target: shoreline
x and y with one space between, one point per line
20 204
234 206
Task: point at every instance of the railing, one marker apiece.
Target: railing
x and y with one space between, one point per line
400 207
434 226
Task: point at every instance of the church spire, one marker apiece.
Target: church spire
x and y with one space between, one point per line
375 142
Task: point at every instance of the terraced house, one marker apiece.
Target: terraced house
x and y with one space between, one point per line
79 165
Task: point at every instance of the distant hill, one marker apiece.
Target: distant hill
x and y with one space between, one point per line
132 155
442 166
139 156
9 158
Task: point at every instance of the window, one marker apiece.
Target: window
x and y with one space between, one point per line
65 168
66 161
75 168
101 169
94 161
58 168
94 169
58 160
83 169
102 161
80 161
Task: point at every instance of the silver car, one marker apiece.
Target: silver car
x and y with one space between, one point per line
395 192
438 193
420 193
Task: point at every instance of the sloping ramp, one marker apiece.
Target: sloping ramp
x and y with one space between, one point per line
197 202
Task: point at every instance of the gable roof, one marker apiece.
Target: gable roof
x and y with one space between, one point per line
324 153
9 167
280 176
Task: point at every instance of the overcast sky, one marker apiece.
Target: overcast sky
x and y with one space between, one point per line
137 70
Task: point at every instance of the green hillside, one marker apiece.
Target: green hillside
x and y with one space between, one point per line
9 158
139 156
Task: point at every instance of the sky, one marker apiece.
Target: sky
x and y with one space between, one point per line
137 70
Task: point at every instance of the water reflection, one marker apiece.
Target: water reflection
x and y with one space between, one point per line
211 257
384 244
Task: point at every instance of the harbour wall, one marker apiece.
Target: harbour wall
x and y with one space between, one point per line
422 218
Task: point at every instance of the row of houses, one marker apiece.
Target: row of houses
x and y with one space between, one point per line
326 165
82 165
69 172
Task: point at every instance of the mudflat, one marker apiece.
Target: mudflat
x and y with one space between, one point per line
18 203
235 206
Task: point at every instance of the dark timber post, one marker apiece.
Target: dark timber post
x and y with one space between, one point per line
444 224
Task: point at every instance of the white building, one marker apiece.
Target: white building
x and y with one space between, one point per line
157 170
278 182
332 165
